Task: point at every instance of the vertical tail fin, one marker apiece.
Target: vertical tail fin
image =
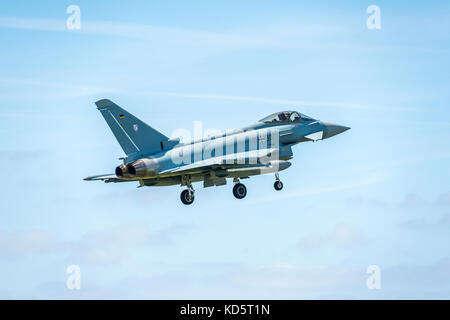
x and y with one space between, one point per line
132 134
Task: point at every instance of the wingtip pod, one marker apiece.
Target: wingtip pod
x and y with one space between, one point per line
99 177
92 178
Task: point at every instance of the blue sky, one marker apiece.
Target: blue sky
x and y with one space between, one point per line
377 194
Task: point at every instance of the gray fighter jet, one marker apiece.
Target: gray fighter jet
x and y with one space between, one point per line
152 159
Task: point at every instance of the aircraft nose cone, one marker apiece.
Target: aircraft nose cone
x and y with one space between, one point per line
332 129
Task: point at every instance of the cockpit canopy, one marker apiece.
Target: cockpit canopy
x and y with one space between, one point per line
286 117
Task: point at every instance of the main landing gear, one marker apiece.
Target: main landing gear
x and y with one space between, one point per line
187 196
278 185
239 189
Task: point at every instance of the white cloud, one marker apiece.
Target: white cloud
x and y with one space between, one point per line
322 104
77 90
345 235
444 199
33 24
412 200
261 37
342 235
15 245
65 90
425 223
109 246
311 191
281 280
113 245
295 280
96 247
311 242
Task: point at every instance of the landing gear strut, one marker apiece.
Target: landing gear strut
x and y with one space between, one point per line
239 189
187 196
278 185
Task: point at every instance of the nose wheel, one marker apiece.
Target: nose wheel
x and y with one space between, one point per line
278 185
239 190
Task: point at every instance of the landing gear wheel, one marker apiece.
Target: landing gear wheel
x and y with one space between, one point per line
278 185
187 197
239 191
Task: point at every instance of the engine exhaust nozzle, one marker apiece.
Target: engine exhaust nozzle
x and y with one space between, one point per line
121 171
145 167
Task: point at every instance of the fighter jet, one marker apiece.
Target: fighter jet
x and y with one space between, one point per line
153 159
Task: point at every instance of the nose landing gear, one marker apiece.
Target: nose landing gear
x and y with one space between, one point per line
278 185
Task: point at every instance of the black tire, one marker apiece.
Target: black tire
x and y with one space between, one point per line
185 198
278 185
239 191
